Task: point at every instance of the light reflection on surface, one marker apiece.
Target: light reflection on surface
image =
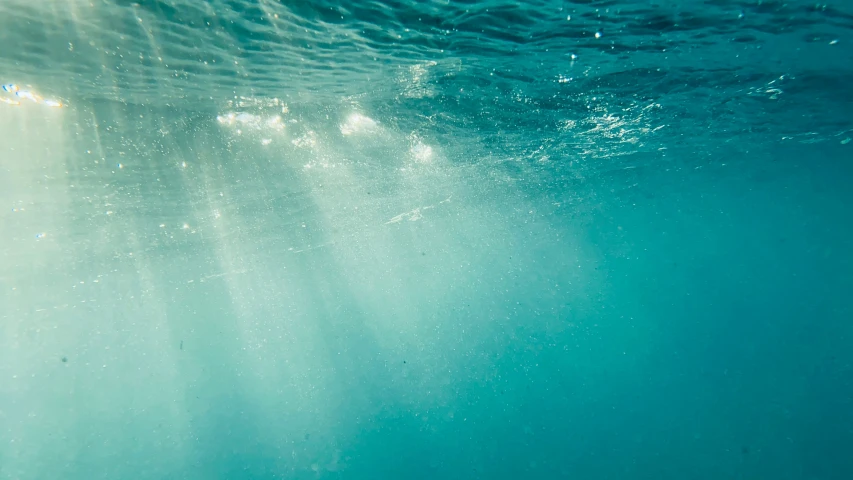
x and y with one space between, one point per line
12 94
358 124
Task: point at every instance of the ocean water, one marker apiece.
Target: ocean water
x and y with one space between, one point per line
262 239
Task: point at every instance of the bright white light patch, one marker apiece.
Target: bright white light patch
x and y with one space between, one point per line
421 152
358 123
242 122
12 94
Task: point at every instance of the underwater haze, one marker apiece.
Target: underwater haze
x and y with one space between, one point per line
440 239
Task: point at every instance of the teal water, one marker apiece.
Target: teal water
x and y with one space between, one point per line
260 239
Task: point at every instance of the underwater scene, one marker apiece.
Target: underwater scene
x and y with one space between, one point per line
438 239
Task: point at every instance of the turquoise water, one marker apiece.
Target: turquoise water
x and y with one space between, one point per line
259 239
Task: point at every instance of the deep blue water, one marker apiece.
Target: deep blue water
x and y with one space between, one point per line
259 239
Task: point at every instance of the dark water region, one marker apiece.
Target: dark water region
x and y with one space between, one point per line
259 239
